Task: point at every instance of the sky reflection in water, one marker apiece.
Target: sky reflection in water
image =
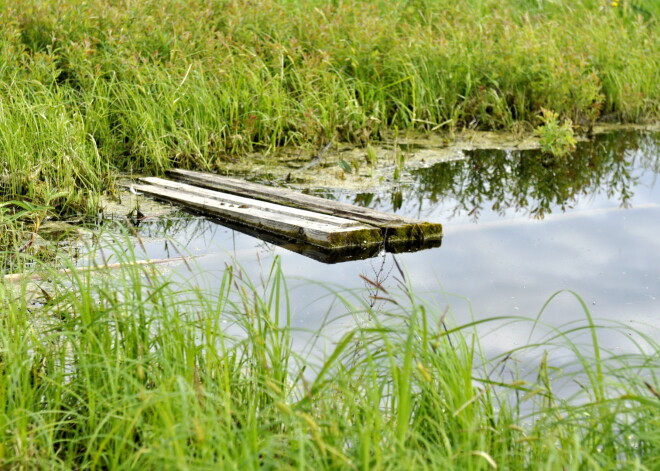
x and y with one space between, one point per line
518 227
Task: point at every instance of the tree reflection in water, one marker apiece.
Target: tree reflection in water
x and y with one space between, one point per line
531 182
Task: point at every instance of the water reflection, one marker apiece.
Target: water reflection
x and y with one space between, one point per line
518 228
496 183
526 182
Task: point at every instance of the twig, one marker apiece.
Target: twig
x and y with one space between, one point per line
316 159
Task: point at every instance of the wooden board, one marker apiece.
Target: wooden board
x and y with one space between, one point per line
317 229
396 229
243 202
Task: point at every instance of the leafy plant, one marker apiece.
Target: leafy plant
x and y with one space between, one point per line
194 83
399 162
556 139
345 166
372 159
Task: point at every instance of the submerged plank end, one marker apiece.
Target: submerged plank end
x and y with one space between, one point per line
413 232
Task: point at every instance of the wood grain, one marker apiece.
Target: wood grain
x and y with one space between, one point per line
307 226
396 228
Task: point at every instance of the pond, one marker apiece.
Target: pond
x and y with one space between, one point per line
519 226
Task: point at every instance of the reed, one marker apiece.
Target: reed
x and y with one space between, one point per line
135 368
89 88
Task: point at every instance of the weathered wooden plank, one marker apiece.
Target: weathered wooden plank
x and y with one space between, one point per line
395 228
303 225
244 202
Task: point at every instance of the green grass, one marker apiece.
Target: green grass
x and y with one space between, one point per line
131 369
89 88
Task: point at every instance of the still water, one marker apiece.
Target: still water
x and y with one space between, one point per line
518 227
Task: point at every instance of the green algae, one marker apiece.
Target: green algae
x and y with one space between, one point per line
413 233
361 238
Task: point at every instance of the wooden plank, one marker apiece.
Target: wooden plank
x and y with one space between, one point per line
335 233
395 228
288 197
244 202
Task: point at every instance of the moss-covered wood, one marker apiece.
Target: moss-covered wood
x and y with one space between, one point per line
394 227
289 214
313 228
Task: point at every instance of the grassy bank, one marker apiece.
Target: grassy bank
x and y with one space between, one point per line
88 88
127 369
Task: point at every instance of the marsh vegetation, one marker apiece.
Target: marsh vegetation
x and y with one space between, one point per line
136 367
131 369
89 88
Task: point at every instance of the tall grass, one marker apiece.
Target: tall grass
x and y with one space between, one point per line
131 369
88 87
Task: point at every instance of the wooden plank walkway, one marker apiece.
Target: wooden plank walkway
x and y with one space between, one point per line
317 221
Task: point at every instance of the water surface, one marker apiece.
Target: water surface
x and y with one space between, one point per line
518 227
